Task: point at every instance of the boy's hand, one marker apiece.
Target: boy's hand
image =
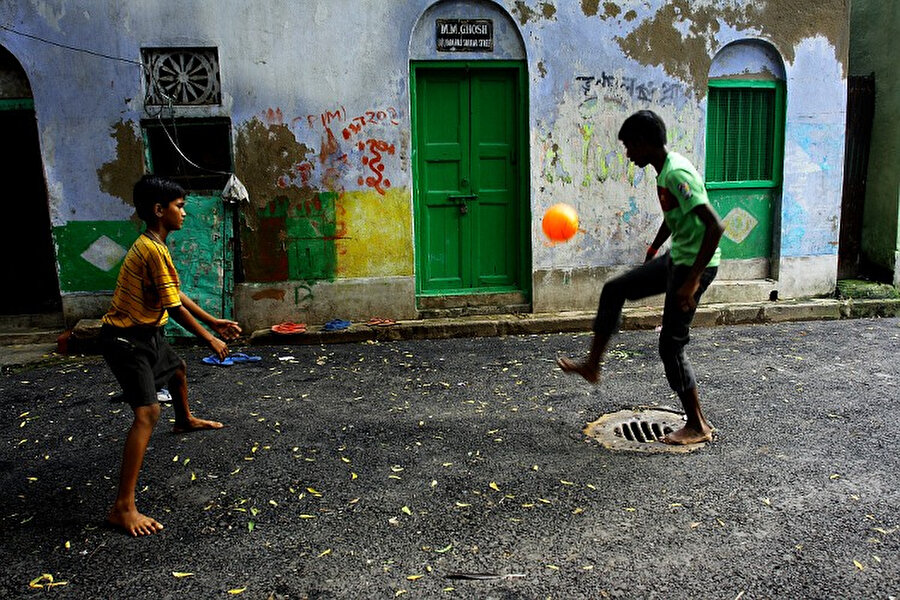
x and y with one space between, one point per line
219 347
685 294
227 329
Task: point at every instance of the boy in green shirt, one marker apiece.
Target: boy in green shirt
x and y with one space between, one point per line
683 273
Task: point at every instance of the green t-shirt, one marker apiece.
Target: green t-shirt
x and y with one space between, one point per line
681 190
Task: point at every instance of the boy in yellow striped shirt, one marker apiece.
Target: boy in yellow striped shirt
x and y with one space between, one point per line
147 293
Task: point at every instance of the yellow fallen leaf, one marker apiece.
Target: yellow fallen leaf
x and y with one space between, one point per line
237 591
313 491
353 475
564 482
493 485
325 553
396 468
462 504
307 516
554 567
444 549
767 502
45 581
414 577
629 509
345 459
399 593
180 574
859 565
834 476
406 510
193 476
175 459
68 545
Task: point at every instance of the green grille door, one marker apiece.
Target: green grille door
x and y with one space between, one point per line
201 251
468 217
744 149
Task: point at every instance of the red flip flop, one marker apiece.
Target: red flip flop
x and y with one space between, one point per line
380 322
288 327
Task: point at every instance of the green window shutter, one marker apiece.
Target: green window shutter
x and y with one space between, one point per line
743 133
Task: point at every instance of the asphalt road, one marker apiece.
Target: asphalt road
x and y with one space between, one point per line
376 470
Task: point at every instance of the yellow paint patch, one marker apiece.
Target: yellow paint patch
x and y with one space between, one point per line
377 239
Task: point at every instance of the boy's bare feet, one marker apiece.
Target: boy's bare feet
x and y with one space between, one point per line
687 435
133 522
194 424
592 375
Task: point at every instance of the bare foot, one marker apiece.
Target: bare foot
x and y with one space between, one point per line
194 424
133 522
570 366
686 436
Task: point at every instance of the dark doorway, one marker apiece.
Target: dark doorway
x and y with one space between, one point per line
860 110
28 244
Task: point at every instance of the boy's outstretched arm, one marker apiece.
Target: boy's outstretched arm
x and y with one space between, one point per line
224 327
661 236
711 237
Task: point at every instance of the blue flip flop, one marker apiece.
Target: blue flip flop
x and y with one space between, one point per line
335 325
215 360
240 357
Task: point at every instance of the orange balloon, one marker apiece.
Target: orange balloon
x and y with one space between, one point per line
560 222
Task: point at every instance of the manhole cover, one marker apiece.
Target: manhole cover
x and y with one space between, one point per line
639 431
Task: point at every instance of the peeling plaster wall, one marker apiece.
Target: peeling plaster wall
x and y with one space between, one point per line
318 97
593 64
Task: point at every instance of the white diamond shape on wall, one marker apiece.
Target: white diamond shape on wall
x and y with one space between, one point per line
104 253
738 224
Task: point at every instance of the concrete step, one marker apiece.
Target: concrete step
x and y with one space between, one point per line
29 322
734 291
22 338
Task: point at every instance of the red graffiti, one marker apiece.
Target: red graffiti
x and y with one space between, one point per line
376 150
371 117
274 116
324 118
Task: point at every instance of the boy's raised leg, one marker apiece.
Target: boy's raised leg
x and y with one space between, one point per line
589 368
184 420
697 429
124 512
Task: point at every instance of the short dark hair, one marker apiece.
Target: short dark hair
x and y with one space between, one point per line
644 126
151 190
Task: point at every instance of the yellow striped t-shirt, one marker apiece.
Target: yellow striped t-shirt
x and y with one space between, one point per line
148 284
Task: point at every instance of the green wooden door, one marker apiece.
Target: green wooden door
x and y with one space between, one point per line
202 252
745 144
469 233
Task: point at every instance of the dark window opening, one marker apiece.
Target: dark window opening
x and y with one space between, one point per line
173 145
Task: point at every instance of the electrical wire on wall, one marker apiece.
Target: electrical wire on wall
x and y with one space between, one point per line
233 192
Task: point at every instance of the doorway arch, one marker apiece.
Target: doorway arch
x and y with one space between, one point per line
471 200
28 239
745 154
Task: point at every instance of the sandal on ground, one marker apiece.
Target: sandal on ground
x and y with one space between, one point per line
335 325
240 357
216 361
380 322
289 327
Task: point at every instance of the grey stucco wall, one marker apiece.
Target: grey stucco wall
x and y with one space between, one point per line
289 68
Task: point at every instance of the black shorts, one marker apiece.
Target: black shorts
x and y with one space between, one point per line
142 361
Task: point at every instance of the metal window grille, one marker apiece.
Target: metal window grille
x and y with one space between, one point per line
181 76
741 134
